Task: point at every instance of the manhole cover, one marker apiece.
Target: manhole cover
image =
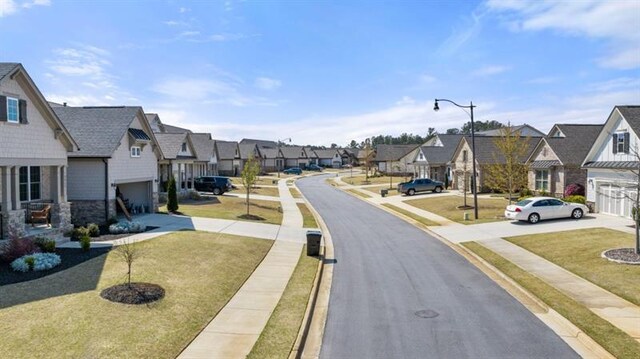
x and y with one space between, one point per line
428 313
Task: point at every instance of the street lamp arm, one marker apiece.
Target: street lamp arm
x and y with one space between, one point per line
461 106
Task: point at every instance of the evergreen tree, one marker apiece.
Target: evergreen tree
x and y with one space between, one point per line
172 200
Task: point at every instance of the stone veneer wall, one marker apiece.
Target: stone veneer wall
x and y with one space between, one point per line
84 212
61 216
13 222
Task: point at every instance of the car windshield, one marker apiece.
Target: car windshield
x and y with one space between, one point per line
524 202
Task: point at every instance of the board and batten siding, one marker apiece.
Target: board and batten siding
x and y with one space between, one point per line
605 153
126 169
34 140
85 179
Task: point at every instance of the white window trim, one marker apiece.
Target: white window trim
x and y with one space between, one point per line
133 152
17 109
620 141
29 199
542 181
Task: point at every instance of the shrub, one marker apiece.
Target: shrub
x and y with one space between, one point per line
36 262
93 229
574 189
18 247
172 200
112 220
46 245
85 243
525 192
78 233
127 227
575 199
544 193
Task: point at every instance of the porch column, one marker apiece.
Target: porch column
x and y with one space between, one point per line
5 172
55 183
16 188
63 183
193 181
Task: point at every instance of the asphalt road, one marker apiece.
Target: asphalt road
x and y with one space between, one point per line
397 292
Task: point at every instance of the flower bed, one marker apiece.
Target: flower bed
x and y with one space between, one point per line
36 262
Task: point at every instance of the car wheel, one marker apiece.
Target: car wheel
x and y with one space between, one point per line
411 192
437 190
577 213
534 218
217 191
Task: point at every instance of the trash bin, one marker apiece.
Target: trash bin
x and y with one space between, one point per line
313 243
384 192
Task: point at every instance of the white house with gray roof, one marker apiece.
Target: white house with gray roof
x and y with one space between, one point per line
395 159
328 157
228 158
433 159
611 162
34 145
118 157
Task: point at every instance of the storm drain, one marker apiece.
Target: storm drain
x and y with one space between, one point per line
427 313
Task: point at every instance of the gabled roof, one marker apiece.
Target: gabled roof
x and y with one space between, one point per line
248 150
174 129
487 153
270 153
260 143
311 153
7 68
631 114
393 152
293 152
97 130
362 153
329 153
226 150
171 143
441 154
576 143
525 130
203 145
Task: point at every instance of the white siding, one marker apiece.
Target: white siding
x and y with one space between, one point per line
605 153
596 177
32 140
85 179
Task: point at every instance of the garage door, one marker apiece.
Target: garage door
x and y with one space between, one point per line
137 195
615 200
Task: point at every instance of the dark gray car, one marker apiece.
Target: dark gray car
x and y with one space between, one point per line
420 185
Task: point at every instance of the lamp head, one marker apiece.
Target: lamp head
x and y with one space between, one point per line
435 106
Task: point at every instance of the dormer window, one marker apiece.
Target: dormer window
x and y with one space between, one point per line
621 142
13 110
135 151
464 156
421 157
184 147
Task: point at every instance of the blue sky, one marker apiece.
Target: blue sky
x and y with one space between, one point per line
325 72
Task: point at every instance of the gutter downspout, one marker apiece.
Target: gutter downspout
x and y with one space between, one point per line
106 190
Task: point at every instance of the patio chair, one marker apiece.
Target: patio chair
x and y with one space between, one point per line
40 215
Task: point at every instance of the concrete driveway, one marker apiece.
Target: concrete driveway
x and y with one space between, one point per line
398 292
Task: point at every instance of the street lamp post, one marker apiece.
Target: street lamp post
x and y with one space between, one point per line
279 142
473 150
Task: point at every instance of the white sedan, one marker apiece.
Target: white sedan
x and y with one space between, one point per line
535 209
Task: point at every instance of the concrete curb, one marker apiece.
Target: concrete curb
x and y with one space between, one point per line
309 341
579 341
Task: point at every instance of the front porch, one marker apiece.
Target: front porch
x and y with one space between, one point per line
25 190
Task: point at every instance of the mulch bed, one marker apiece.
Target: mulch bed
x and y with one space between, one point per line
106 236
70 257
622 255
134 293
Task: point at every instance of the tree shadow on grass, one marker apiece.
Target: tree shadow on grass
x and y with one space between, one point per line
81 273
251 217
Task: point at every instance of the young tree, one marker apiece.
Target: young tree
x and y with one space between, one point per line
249 176
367 159
172 195
508 172
464 171
129 253
635 197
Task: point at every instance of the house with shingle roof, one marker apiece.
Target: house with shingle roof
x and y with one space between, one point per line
556 160
205 158
395 159
433 159
34 149
525 131
259 143
349 156
228 158
611 162
272 159
487 154
294 156
118 158
327 158
248 151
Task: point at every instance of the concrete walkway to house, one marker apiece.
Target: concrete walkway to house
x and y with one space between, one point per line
236 328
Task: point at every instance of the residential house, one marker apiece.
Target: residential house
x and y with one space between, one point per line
294 156
34 145
118 158
396 159
366 156
613 158
272 159
228 157
349 156
260 143
206 160
313 156
524 130
487 154
555 161
329 158
433 159
248 151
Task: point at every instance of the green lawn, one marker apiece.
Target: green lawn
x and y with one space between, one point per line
281 331
489 209
359 180
614 340
232 208
579 252
376 190
307 217
425 221
199 271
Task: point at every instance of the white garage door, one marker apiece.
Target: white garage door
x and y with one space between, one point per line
615 200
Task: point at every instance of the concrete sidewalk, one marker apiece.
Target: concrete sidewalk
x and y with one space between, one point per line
236 328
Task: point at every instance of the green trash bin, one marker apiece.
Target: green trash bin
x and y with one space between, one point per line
313 243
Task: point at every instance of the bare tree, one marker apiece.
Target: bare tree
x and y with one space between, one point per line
249 177
129 252
367 159
635 197
508 172
464 172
